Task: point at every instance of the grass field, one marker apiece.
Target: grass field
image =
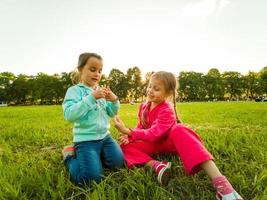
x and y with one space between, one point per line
32 138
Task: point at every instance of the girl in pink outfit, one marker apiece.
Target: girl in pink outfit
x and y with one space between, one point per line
159 130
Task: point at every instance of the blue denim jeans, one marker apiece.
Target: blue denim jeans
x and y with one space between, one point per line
91 156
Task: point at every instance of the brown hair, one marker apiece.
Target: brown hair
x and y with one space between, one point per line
83 58
170 84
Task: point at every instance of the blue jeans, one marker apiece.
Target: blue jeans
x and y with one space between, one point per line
87 165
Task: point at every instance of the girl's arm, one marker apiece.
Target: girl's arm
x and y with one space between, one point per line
75 106
161 125
139 124
113 107
113 103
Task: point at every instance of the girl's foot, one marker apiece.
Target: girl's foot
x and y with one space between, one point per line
225 191
163 171
231 196
68 151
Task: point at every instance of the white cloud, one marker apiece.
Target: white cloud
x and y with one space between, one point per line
203 8
221 4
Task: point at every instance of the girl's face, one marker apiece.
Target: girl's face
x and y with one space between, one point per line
91 72
156 92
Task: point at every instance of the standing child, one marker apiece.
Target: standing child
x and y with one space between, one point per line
89 107
159 130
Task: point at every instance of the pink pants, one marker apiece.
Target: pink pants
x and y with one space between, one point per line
181 141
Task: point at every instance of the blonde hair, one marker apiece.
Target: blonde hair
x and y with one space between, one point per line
171 86
83 58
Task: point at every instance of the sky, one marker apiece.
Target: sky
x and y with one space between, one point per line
172 35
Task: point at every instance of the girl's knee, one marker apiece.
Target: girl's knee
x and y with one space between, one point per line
116 162
178 129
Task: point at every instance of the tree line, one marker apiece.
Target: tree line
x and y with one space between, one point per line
50 89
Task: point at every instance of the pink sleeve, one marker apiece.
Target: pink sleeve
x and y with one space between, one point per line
160 126
139 125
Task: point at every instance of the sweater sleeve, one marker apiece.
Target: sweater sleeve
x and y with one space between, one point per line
113 108
139 125
75 106
159 128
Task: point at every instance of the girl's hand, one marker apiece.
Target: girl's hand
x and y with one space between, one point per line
110 96
123 139
99 93
120 126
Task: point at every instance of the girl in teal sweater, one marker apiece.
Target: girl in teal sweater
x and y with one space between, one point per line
89 107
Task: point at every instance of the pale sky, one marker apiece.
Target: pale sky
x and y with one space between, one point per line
174 35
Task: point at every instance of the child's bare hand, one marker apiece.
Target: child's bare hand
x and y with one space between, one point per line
120 126
118 123
123 139
99 93
110 96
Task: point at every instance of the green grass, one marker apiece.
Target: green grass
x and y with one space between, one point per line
32 138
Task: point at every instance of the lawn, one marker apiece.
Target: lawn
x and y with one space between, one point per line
32 138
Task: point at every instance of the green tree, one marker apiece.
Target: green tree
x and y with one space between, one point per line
104 81
192 86
6 79
263 80
251 84
214 84
117 82
66 81
33 90
232 83
57 88
20 89
134 79
45 88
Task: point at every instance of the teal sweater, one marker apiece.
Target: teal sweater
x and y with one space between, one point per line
90 116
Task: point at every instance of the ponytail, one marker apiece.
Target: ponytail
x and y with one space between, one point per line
174 105
75 76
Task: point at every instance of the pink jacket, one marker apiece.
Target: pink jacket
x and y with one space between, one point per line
158 122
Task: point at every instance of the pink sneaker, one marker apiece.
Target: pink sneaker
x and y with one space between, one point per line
68 151
225 191
163 171
231 196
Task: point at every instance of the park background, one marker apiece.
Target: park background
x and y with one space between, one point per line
216 49
131 87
